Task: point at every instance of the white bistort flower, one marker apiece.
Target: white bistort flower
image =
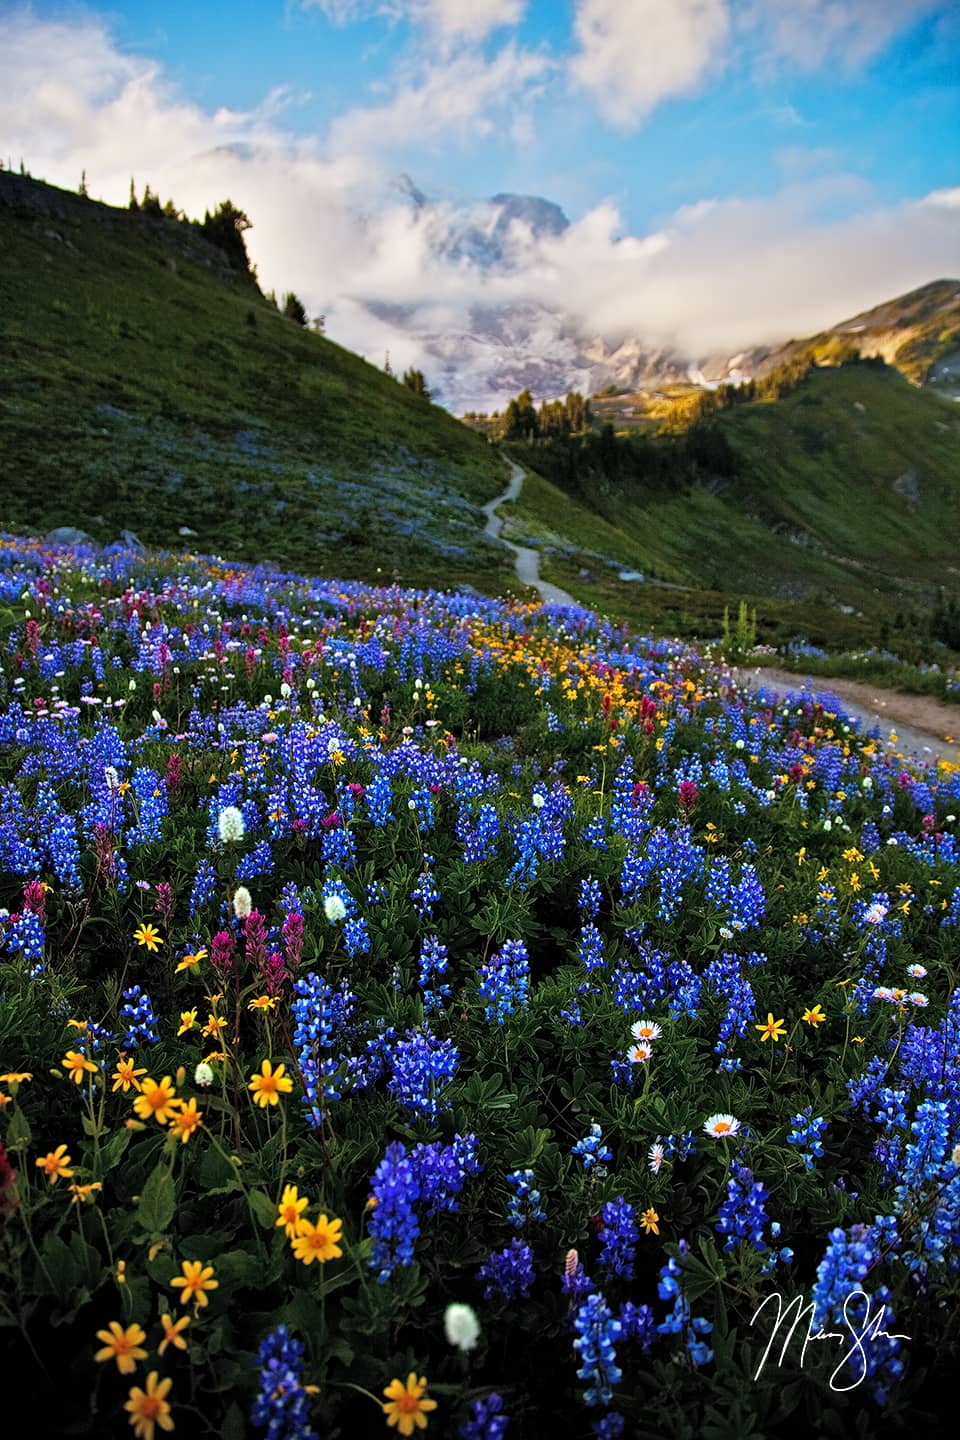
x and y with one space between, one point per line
461 1326
334 908
242 902
231 824
203 1075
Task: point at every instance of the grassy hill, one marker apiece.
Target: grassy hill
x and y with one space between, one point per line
146 385
842 497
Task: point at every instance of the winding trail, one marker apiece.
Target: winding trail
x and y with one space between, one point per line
921 724
527 561
919 721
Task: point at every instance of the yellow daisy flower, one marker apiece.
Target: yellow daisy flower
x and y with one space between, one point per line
408 1405
195 1281
122 1345
268 1085
317 1242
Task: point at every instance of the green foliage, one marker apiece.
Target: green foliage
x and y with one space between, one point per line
741 640
149 402
293 309
414 380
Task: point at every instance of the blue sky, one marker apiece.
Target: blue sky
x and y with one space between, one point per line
806 153
885 106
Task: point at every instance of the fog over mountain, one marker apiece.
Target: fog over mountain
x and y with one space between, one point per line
506 312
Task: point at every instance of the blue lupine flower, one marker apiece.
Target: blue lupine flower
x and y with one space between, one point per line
505 981
807 1131
598 1331
524 1204
591 1148
137 1014
487 1420
282 1406
742 1215
393 1221
618 1236
422 1066
508 1273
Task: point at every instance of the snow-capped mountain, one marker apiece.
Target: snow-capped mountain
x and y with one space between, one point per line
485 336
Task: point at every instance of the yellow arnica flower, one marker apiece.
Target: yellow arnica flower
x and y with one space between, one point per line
173 1333
317 1242
270 1084
54 1165
263 1002
215 1026
186 1120
15 1077
83 1193
148 935
188 1018
291 1207
193 958
407 1405
122 1345
77 1065
814 1016
650 1221
157 1100
195 1281
150 1408
772 1030
126 1076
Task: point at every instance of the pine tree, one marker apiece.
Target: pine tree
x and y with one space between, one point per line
82 187
413 379
293 309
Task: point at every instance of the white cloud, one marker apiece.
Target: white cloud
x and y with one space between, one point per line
813 33
949 199
633 55
390 274
460 97
447 19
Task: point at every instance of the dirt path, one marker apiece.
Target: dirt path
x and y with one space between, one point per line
921 723
527 561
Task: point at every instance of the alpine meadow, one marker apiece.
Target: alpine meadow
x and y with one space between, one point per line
479 715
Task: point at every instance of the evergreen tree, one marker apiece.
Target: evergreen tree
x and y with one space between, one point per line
414 380
293 309
225 228
134 203
82 187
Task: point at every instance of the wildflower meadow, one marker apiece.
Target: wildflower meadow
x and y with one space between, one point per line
422 1013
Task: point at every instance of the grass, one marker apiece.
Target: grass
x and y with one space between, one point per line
144 386
843 510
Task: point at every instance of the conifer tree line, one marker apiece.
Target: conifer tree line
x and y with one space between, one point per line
523 420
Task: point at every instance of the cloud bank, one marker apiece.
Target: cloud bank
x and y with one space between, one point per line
389 271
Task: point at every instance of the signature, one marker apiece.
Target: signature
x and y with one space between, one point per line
860 1330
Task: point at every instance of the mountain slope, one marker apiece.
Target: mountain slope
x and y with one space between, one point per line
844 494
145 385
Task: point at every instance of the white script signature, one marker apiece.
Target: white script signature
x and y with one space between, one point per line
860 1330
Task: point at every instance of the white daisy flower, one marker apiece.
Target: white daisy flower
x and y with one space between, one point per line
721 1127
647 1030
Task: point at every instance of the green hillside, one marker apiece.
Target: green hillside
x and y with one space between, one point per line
843 496
145 385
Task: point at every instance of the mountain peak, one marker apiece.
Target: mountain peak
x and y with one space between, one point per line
543 216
